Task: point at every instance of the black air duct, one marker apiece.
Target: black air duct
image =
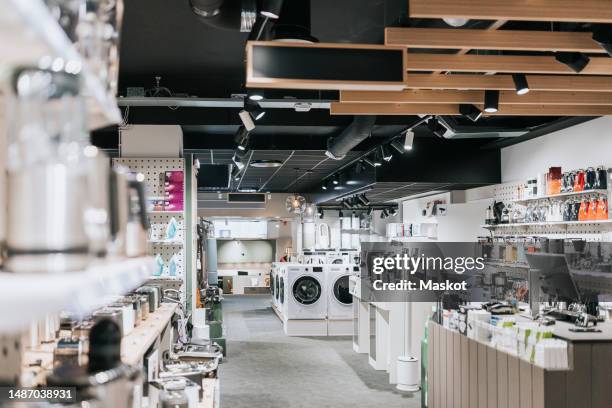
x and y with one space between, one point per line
355 133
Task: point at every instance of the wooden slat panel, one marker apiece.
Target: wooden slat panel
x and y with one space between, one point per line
445 38
476 97
473 390
513 382
593 11
457 370
538 389
504 82
443 367
525 384
491 377
443 109
579 378
465 372
502 380
431 341
503 63
554 390
601 360
482 376
450 367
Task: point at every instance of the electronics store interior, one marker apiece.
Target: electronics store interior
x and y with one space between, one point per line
187 188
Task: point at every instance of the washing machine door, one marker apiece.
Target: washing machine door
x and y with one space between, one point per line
276 286
342 291
306 290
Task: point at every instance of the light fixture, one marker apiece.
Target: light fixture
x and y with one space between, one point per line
236 174
436 127
336 180
370 211
408 139
271 8
255 95
368 161
254 108
346 204
393 212
295 204
320 212
242 138
363 199
238 162
575 60
265 163
385 154
247 120
520 84
602 35
491 101
470 111
324 185
384 214
377 161
398 146
340 214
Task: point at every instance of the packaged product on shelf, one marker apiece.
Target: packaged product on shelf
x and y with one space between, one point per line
172 265
173 177
171 229
160 265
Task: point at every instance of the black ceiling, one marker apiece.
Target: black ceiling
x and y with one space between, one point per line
166 39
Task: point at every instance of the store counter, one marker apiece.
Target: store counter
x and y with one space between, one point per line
463 372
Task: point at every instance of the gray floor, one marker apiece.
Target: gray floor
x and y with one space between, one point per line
265 368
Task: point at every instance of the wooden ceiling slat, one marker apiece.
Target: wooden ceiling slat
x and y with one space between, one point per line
504 82
503 63
338 108
446 38
588 11
476 97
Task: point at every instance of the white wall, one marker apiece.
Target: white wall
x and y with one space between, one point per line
587 144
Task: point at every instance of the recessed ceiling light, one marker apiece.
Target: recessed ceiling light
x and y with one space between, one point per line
264 163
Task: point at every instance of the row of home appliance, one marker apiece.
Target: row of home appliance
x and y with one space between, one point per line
313 300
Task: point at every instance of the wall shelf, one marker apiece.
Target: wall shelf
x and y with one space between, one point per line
29 32
561 195
27 298
548 224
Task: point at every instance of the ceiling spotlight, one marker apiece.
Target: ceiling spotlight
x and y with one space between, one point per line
377 160
238 162
385 154
398 146
346 204
520 84
324 185
575 60
455 21
242 138
255 94
247 120
408 139
393 212
254 108
384 214
370 211
491 101
363 199
320 212
236 173
271 8
602 35
336 180
368 161
437 128
470 111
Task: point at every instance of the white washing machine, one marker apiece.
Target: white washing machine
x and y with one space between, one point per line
305 300
339 299
273 275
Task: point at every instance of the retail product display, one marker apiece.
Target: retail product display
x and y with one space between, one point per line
173 186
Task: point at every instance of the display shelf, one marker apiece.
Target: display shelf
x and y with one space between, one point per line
361 231
164 242
135 345
25 298
547 223
29 32
560 195
165 212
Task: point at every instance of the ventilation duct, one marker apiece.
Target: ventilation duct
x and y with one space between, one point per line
355 133
233 15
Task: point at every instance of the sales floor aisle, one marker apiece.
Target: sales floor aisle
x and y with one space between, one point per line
267 369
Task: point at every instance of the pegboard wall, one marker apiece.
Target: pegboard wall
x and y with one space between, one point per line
153 169
593 232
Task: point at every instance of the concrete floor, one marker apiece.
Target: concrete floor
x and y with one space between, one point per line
267 369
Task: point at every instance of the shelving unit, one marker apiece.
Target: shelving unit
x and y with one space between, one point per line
547 223
29 32
561 195
33 296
